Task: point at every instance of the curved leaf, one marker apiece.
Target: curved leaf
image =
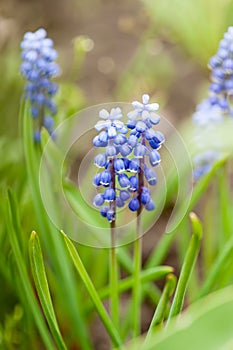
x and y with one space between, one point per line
40 279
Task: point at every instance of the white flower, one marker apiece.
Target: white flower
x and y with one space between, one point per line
145 111
115 113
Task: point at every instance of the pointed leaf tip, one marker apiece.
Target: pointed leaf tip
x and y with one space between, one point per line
196 225
33 235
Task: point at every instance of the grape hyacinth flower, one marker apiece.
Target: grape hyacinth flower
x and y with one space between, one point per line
125 159
218 103
111 137
217 106
145 143
128 160
38 68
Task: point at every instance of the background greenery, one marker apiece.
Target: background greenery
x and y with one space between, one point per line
110 51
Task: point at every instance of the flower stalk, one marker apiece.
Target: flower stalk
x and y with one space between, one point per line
114 300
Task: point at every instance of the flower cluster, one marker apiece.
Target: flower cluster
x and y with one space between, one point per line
126 149
145 143
112 138
38 67
221 64
218 103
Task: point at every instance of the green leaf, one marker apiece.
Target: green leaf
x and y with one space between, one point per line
146 276
207 324
50 234
187 267
150 275
92 291
160 311
165 242
14 232
40 279
217 269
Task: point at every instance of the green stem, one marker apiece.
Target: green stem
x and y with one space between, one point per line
218 266
112 331
146 276
209 245
162 305
137 292
137 285
183 243
166 240
187 267
113 278
114 300
150 290
224 203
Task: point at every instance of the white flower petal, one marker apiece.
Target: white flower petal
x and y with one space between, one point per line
104 114
133 114
145 115
115 113
145 99
101 124
118 124
152 106
112 131
137 105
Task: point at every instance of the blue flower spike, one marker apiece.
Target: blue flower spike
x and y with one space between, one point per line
145 142
38 68
129 156
217 106
111 137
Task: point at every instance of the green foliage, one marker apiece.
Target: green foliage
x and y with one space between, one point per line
49 300
39 275
195 25
205 325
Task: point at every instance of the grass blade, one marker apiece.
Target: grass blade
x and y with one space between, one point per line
92 292
165 242
40 279
125 284
217 268
187 267
162 305
23 275
50 235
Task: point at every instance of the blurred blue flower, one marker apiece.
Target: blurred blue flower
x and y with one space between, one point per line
218 103
38 67
203 163
212 110
207 113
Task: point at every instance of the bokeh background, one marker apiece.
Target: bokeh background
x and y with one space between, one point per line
109 51
115 50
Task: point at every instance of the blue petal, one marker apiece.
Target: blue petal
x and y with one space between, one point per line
100 160
109 195
134 204
98 200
